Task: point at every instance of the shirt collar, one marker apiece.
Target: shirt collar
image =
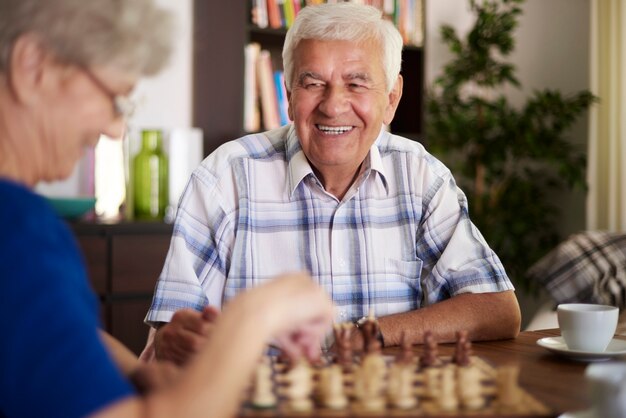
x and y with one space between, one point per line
299 166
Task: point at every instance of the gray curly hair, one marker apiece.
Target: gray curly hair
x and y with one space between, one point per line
133 36
345 22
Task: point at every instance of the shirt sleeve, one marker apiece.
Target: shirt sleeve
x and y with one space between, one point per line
457 258
195 267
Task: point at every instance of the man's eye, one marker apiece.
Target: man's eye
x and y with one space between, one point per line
357 87
312 85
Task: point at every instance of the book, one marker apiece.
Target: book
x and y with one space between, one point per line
273 14
290 13
281 97
251 116
267 91
259 13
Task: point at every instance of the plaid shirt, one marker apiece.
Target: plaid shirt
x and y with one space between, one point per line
400 239
589 267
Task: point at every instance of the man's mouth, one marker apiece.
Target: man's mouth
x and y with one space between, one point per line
334 130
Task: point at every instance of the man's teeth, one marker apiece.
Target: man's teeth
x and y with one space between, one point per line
334 129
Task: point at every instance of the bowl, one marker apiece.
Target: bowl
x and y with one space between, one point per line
72 207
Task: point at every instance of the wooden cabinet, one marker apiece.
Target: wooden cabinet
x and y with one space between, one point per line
123 262
221 30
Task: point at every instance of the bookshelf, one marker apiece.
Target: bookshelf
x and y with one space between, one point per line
221 31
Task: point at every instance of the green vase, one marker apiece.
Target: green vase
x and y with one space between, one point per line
150 174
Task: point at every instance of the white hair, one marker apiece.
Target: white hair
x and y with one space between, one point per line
133 36
345 22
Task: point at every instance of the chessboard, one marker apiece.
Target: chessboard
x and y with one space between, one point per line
380 385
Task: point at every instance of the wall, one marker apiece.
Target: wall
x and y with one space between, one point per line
552 51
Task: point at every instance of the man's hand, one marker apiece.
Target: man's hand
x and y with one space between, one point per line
184 335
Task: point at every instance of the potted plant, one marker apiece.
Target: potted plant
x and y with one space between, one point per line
508 160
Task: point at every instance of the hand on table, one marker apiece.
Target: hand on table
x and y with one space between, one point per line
185 334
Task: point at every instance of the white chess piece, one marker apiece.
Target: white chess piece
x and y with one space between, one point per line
400 387
470 388
262 396
331 388
369 382
300 379
447 399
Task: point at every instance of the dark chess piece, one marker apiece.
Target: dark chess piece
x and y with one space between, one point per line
343 345
370 330
463 349
405 356
430 356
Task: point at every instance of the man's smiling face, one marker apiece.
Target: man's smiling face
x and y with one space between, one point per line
339 101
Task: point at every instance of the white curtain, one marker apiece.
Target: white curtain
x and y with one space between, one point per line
606 202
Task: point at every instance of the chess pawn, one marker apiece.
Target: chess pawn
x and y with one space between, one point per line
406 355
470 388
369 382
330 387
463 350
430 355
400 388
432 375
343 344
300 387
262 395
447 399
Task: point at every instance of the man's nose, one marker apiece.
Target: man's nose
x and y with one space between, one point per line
335 101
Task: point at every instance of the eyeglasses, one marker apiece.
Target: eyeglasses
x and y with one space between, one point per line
123 106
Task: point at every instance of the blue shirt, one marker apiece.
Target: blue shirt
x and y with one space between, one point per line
52 362
400 239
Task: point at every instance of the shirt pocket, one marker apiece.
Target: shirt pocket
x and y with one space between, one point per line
399 288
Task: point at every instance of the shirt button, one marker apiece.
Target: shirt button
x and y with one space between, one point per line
342 315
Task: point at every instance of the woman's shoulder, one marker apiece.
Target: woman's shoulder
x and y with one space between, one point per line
24 213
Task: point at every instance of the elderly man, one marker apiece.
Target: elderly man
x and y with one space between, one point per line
66 67
376 220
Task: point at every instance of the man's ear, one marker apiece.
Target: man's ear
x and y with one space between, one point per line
289 110
26 68
394 99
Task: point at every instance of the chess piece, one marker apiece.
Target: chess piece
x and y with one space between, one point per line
262 395
406 355
432 376
400 388
370 330
463 349
430 355
447 399
343 344
300 387
508 392
369 382
330 387
470 388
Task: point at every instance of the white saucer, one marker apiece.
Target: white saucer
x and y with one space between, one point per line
616 348
588 413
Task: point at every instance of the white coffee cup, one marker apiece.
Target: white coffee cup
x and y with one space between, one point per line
587 327
607 389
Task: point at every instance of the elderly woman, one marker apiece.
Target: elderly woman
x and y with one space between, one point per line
66 68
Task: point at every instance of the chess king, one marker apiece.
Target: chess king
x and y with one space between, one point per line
377 221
